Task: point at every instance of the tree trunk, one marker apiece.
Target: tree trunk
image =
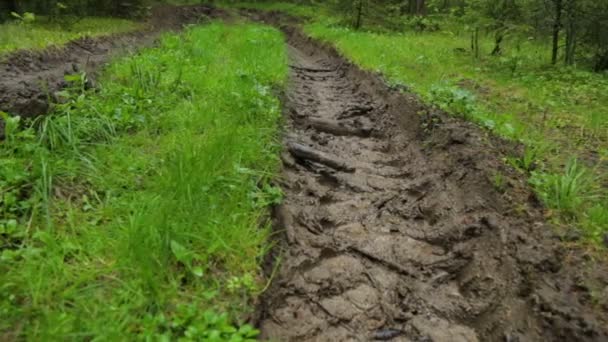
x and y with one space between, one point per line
359 14
13 6
420 7
570 43
498 40
570 33
403 8
475 42
601 63
557 26
415 7
412 6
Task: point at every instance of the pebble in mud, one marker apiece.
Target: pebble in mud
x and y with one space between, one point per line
386 334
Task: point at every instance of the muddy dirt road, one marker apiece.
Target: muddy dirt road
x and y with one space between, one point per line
29 80
392 229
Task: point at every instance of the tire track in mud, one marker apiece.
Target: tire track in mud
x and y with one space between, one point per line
29 80
394 232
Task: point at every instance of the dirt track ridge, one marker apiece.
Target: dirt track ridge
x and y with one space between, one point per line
392 229
29 80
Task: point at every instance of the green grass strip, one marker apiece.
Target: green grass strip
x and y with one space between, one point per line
139 210
40 33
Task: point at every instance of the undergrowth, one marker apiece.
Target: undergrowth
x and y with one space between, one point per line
558 113
139 210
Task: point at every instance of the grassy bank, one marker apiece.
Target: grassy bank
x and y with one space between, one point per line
40 33
558 113
140 209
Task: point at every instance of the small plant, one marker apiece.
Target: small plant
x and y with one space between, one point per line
454 100
187 258
25 18
595 222
421 23
245 283
268 195
597 122
500 182
529 160
511 62
190 323
568 192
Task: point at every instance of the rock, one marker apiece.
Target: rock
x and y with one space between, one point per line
386 334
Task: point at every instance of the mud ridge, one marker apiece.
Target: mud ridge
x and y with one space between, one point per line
29 80
392 229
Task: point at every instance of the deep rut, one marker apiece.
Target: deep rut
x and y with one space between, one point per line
30 80
395 232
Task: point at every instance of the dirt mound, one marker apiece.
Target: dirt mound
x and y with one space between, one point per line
28 79
393 228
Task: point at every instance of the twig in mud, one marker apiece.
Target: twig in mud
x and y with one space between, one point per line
355 111
388 264
335 128
311 69
303 152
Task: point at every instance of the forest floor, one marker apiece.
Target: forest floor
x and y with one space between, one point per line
147 193
393 230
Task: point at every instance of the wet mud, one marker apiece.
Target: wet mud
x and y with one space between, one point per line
29 80
392 228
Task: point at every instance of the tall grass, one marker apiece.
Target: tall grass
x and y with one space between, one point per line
569 191
157 189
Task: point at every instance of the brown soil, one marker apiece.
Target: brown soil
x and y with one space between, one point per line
29 79
394 230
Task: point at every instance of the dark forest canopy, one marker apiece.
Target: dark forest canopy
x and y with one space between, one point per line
73 7
575 30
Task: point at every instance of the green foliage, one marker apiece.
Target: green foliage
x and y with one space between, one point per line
189 324
499 181
454 100
531 156
595 222
25 18
569 192
138 210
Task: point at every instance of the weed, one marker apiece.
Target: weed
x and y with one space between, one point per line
569 192
188 324
595 222
454 100
25 18
500 182
530 158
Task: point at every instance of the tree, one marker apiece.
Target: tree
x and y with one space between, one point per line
572 15
557 27
359 14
